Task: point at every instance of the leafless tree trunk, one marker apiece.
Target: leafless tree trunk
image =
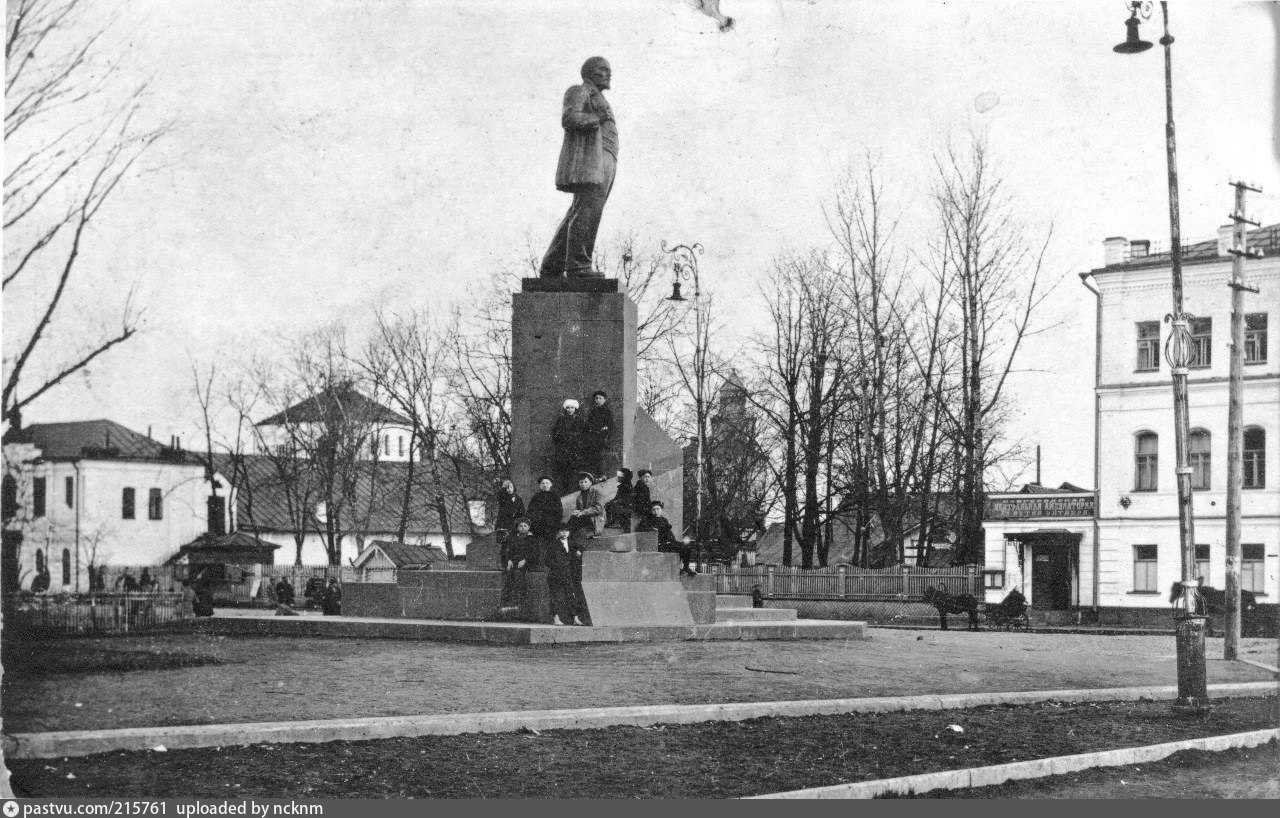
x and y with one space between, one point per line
991 272
69 145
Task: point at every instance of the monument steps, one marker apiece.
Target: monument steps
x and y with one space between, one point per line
749 614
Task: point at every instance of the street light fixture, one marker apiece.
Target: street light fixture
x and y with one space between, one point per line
684 265
1192 684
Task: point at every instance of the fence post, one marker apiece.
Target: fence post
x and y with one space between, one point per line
840 587
906 582
768 580
973 582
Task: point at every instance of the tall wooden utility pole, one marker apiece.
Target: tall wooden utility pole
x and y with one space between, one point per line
1235 431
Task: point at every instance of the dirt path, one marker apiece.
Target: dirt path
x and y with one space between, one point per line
708 760
88 684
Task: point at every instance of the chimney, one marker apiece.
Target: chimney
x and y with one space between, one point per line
1139 248
1226 239
1115 250
148 431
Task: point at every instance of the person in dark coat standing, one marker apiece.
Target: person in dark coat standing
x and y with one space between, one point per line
510 508
599 430
618 510
567 438
560 581
518 555
332 605
284 592
667 542
546 512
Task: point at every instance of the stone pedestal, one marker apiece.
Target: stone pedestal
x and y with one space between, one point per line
570 337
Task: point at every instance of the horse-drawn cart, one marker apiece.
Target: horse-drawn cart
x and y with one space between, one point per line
1009 614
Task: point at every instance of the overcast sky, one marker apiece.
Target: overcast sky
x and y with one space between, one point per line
332 155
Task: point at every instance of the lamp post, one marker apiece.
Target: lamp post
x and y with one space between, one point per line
1192 684
684 266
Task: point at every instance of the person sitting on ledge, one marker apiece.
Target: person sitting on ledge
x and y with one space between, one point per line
667 542
641 495
618 510
518 555
510 508
587 518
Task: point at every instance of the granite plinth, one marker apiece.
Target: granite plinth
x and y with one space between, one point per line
448 595
634 589
569 285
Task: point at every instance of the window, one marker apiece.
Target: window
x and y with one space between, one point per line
1253 577
1148 346
386 444
37 497
373 446
126 504
400 440
1255 338
1201 342
993 579
1144 570
66 565
155 505
69 487
1255 458
1147 461
1202 564
1198 453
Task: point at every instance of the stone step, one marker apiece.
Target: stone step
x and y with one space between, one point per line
734 600
755 614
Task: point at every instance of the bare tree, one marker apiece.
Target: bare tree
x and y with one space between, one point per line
990 270
70 143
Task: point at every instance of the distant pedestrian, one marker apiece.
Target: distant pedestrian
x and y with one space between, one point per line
145 581
127 582
202 588
284 592
757 597
332 605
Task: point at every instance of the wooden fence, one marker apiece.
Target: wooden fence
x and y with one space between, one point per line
901 583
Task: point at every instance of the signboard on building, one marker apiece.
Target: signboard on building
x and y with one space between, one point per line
1031 506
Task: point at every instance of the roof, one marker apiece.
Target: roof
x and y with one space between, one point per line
344 401
404 555
238 545
94 440
264 491
1266 239
1065 488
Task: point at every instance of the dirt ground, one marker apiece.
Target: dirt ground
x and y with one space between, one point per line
197 679
709 760
1242 773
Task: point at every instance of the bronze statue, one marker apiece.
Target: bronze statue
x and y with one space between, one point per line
587 163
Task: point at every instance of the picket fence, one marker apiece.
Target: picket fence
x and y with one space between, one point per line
44 615
897 584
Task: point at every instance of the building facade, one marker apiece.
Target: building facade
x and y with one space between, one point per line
95 493
1126 554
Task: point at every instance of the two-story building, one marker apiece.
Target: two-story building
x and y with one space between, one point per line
1129 561
94 493
341 411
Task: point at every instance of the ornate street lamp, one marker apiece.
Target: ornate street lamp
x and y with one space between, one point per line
684 266
1192 685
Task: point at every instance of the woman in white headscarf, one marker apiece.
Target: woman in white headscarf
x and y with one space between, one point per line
568 438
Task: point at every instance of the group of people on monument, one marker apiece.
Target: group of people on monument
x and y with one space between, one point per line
581 441
540 536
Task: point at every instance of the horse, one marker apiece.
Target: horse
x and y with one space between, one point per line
1213 602
948 604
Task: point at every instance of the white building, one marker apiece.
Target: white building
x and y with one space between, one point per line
385 435
1123 556
96 493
